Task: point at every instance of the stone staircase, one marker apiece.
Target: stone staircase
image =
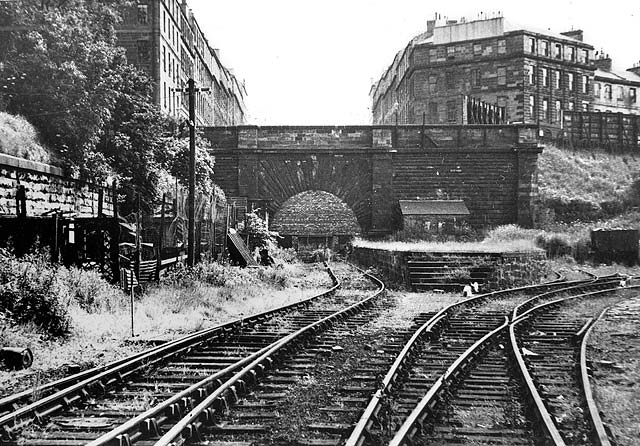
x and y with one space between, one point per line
448 272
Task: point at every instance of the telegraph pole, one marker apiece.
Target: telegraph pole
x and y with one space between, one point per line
192 174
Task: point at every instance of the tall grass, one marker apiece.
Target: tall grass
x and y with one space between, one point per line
19 138
581 186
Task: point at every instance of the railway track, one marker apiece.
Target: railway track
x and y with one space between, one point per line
132 383
483 399
456 337
286 377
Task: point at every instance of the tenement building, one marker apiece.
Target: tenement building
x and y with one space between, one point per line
615 90
535 75
163 38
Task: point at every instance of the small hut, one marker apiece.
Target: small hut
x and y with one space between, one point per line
433 216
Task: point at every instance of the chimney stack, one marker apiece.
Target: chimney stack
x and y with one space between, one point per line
577 34
603 62
635 69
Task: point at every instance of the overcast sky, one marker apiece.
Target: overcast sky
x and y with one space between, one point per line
312 62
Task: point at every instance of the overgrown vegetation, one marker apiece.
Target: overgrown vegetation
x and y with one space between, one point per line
19 138
586 187
63 71
35 291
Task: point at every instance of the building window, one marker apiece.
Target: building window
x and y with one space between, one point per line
475 77
433 84
170 67
433 112
532 107
558 111
620 95
585 56
502 47
164 94
502 76
451 111
585 84
451 52
545 109
532 45
557 78
572 105
545 77
572 54
607 92
571 80
143 14
164 21
531 74
144 56
585 106
449 81
477 49
558 52
164 58
596 89
632 95
544 48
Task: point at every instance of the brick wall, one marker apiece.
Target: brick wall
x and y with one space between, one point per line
47 190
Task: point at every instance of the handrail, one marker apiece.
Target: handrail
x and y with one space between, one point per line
203 409
428 401
122 368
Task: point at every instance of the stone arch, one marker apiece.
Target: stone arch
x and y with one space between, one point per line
315 213
348 178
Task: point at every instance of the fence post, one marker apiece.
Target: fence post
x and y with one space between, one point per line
21 202
160 238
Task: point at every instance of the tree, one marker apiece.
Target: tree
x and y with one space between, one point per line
62 71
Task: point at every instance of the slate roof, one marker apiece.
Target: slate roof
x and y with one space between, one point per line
433 207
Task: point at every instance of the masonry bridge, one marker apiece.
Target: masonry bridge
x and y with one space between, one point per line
355 176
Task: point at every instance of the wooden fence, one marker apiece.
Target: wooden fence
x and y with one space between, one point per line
612 132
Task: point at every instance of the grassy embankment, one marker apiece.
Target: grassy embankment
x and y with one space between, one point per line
69 316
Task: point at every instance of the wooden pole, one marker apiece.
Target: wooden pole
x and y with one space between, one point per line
192 175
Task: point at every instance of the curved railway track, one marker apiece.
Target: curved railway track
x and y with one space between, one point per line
484 399
421 365
175 365
485 370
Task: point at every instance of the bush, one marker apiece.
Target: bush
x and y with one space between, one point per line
582 250
508 233
555 245
34 292
91 291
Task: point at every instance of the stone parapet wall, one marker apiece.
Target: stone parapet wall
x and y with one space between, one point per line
510 270
47 190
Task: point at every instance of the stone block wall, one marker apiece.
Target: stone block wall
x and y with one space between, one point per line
510 269
491 167
47 189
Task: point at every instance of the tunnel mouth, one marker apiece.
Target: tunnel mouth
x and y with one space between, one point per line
315 214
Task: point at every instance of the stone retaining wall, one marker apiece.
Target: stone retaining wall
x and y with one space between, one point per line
47 189
511 269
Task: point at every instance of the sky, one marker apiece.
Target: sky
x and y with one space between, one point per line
313 62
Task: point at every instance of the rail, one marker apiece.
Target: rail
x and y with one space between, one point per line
71 389
367 419
548 425
415 419
189 426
